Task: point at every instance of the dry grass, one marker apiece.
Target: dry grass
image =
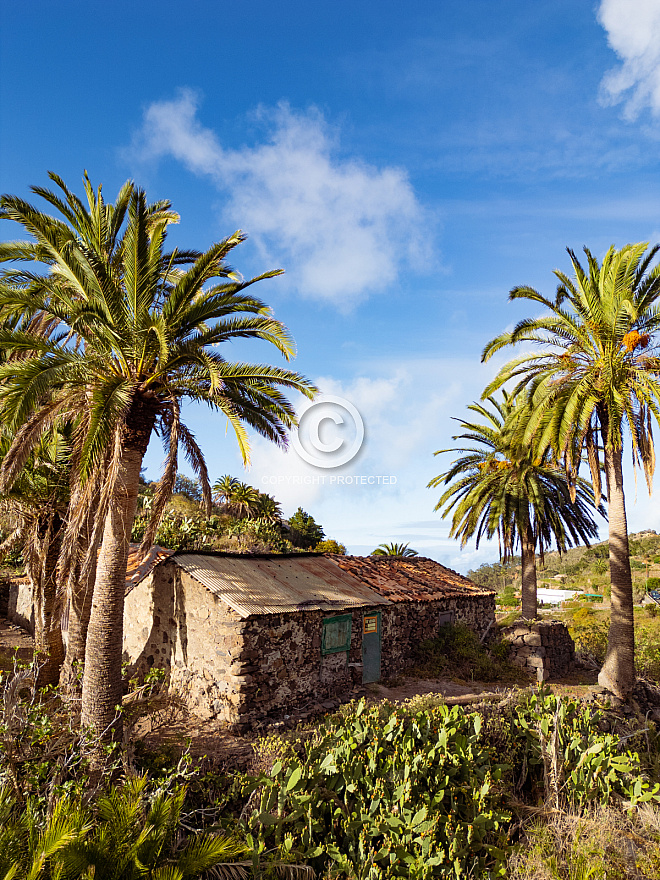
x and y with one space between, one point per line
605 844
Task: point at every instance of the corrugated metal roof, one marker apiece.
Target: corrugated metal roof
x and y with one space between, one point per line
272 585
408 578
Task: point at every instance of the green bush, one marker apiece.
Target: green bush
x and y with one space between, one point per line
130 833
580 766
330 546
383 792
508 597
260 535
305 531
589 633
457 652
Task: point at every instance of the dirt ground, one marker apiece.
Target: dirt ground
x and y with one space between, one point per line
13 641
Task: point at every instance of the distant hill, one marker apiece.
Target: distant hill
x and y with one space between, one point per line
582 568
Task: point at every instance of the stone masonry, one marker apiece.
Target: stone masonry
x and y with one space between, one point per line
268 665
543 648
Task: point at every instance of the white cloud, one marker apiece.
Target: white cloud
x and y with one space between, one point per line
342 228
633 31
407 414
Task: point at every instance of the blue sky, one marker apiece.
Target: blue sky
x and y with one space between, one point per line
406 165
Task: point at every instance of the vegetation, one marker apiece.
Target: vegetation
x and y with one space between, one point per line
103 335
437 792
500 486
394 550
597 372
147 326
457 653
579 568
305 531
329 545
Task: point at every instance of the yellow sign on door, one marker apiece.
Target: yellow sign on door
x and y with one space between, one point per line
370 625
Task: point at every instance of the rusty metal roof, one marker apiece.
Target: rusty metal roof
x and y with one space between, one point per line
408 578
277 584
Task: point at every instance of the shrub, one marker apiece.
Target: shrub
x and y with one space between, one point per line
596 846
508 597
589 632
330 546
457 652
305 531
386 793
647 650
129 833
579 765
260 536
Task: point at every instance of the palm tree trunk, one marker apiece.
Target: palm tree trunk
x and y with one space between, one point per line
618 672
528 553
80 609
48 645
102 678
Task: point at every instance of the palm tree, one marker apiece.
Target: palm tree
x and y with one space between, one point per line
143 331
500 486
394 550
223 488
36 508
243 501
597 371
267 508
98 224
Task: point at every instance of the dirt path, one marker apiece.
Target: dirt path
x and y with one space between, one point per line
13 641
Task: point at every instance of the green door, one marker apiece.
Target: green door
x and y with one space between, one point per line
371 647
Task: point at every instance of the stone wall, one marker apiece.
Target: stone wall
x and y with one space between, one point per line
19 607
269 665
406 624
543 648
173 622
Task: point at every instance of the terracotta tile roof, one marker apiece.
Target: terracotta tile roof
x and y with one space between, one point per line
408 578
138 568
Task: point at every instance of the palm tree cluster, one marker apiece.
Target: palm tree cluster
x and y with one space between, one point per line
592 381
104 333
244 501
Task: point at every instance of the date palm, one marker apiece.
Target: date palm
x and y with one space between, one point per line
36 508
268 508
98 224
223 488
393 549
499 486
597 374
144 331
243 501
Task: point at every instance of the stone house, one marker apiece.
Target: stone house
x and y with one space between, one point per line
246 638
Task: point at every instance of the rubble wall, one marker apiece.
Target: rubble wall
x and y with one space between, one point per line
543 648
270 665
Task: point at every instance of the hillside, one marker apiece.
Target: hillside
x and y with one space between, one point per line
580 568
